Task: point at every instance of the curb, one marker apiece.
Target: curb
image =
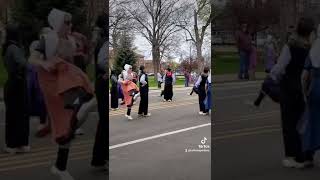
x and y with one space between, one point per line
236 80
175 87
230 78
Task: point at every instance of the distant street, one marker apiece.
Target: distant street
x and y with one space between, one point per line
247 142
35 165
155 147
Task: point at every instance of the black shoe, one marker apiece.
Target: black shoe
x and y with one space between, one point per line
259 99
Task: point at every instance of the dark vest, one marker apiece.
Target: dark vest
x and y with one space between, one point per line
146 87
98 71
292 76
169 79
203 82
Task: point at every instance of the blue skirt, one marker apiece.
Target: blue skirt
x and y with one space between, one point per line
208 99
120 93
35 97
309 127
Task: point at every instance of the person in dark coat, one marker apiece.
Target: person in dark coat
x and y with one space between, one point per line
100 157
169 80
201 86
144 93
287 72
15 93
114 91
243 41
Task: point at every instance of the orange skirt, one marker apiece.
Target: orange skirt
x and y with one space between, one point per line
53 84
127 86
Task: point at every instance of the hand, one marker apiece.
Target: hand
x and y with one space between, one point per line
47 66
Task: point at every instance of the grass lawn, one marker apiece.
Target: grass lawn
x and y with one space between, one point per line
228 63
153 83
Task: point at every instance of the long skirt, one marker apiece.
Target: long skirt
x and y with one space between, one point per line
114 97
53 84
127 88
17 118
202 97
120 93
292 108
100 153
35 97
208 100
144 102
168 92
311 131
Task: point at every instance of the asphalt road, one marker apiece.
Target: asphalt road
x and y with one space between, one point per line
36 165
163 146
247 141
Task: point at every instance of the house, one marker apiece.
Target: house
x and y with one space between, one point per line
148 65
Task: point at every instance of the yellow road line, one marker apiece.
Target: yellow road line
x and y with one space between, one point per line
47 163
52 147
246 134
244 119
246 129
37 159
158 108
83 157
42 153
235 96
79 155
155 104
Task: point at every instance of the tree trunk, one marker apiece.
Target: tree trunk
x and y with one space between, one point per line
156 59
198 42
200 59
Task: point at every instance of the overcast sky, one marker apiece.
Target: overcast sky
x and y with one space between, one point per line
144 47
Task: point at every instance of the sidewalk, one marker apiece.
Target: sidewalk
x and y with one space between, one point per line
225 78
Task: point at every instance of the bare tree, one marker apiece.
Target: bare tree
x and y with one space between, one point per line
157 21
259 14
189 64
169 47
197 25
119 21
94 9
